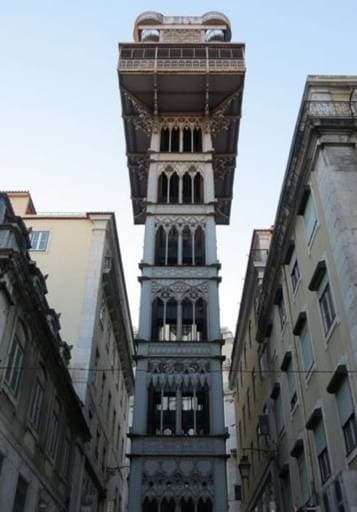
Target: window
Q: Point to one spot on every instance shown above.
(321, 450)
(291, 384)
(278, 408)
(347, 414)
(14, 370)
(54, 429)
(286, 491)
(310, 220)
(39, 240)
(303, 476)
(66, 460)
(20, 495)
(37, 399)
(169, 239)
(326, 307)
(295, 275)
(279, 301)
(301, 329)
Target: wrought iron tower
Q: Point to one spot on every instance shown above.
(181, 85)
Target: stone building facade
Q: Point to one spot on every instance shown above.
(181, 85)
(302, 421)
(81, 255)
(43, 431)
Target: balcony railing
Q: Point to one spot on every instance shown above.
(329, 108)
(163, 58)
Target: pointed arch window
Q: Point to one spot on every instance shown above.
(197, 140)
(187, 320)
(175, 139)
(187, 246)
(174, 188)
(201, 320)
(200, 250)
(162, 188)
(187, 142)
(172, 247)
(160, 247)
(198, 188)
(164, 139)
(187, 188)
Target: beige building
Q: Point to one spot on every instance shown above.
(80, 253)
(42, 428)
(297, 419)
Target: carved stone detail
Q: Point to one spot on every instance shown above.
(180, 373)
(182, 350)
(144, 120)
(181, 168)
(180, 222)
(177, 480)
(139, 165)
(185, 272)
(179, 289)
(223, 165)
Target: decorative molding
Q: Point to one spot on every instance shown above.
(145, 120)
(180, 168)
(223, 165)
(219, 120)
(177, 480)
(178, 373)
(173, 349)
(139, 165)
(179, 290)
(184, 273)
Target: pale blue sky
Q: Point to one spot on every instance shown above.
(61, 134)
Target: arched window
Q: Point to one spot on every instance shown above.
(187, 320)
(200, 252)
(174, 188)
(200, 320)
(172, 246)
(198, 188)
(162, 188)
(187, 142)
(164, 139)
(157, 319)
(175, 139)
(187, 188)
(187, 246)
(204, 506)
(170, 321)
(168, 505)
(160, 246)
(150, 506)
(187, 506)
(197, 140)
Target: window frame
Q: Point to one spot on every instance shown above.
(41, 240)
(15, 366)
(325, 296)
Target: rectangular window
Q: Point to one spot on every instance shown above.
(327, 308)
(36, 404)
(39, 240)
(54, 430)
(306, 347)
(21, 495)
(321, 451)
(286, 492)
(291, 385)
(295, 275)
(310, 220)
(14, 368)
(303, 477)
(347, 415)
(278, 413)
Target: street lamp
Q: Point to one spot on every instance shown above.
(244, 467)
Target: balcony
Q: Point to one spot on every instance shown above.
(200, 58)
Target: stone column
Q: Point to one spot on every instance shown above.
(141, 397)
(220, 498)
(149, 241)
(178, 411)
(213, 311)
(145, 311)
(135, 484)
(211, 242)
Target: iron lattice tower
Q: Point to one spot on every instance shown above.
(181, 85)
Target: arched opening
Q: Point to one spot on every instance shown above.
(174, 188)
(150, 506)
(187, 188)
(186, 246)
(175, 139)
(157, 319)
(201, 320)
(187, 506)
(197, 140)
(202, 411)
(170, 321)
(168, 505)
(164, 139)
(187, 319)
(198, 188)
(200, 250)
(187, 139)
(162, 188)
(160, 246)
(204, 506)
(172, 246)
